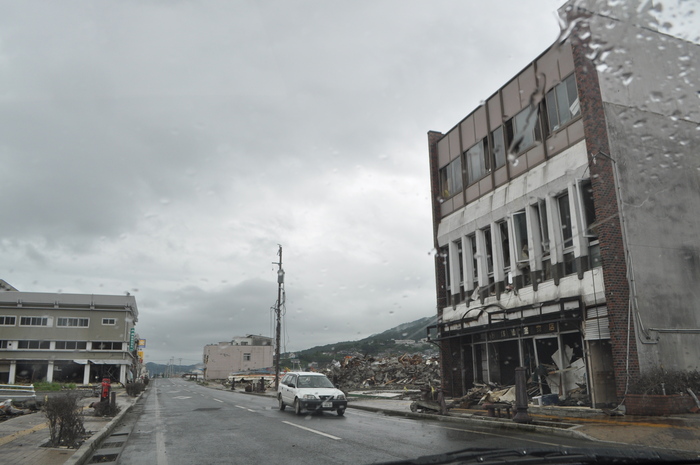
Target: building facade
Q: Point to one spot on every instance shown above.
(68, 338)
(565, 214)
(241, 354)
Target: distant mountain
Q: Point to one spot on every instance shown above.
(375, 345)
(158, 369)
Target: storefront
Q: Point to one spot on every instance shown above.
(489, 343)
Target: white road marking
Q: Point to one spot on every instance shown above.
(218, 400)
(499, 435)
(245, 408)
(312, 430)
(182, 397)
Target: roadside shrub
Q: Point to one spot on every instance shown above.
(134, 389)
(659, 381)
(65, 420)
(105, 409)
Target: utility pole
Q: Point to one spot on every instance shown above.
(278, 315)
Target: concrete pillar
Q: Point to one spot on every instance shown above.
(122, 374)
(13, 372)
(49, 372)
(86, 374)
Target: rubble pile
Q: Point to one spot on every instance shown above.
(405, 371)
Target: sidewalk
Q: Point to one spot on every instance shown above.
(680, 432)
(22, 437)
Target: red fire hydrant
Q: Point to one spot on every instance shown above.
(106, 387)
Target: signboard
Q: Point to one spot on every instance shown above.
(142, 343)
(131, 339)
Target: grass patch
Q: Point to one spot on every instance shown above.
(44, 386)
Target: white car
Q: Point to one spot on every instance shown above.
(310, 391)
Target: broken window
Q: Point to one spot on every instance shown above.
(505, 246)
(522, 245)
(246, 357)
(488, 244)
(523, 130)
(477, 161)
(451, 178)
(562, 103)
(499, 147)
(566, 234)
(540, 211)
(474, 261)
(589, 217)
(460, 258)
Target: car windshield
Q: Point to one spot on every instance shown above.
(314, 382)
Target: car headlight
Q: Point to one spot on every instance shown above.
(308, 396)
(340, 397)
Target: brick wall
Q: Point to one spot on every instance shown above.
(440, 279)
(612, 249)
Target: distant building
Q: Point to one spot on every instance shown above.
(565, 213)
(241, 354)
(69, 338)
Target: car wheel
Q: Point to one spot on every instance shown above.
(282, 406)
(341, 412)
(297, 407)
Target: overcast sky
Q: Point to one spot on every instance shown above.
(165, 148)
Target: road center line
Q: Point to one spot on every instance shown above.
(312, 430)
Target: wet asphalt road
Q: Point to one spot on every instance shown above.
(179, 422)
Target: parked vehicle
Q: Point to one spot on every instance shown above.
(312, 392)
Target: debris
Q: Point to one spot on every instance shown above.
(405, 371)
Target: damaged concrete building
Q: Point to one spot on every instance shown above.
(565, 213)
(67, 338)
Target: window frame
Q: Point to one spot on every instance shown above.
(105, 321)
(78, 320)
(516, 143)
(480, 152)
(41, 344)
(44, 321)
(556, 108)
(95, 345)
(3, 319)
(79, 345)
(451, 182)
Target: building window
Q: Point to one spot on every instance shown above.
(107, 346)
(33, 321)
(477, 161)
(523, 130)
(588, 215)
(474, 260)
(451, 179)
(3, 344)
(522, 245)
(499, 147)
(109, 321)
(541, 213)
(505, 247)
(33, 344)
(562, 104)
(7, 320)
(488, 243)
(566, 234)
(460, 258)
(246, 357)
(73, 322)
(71, 345)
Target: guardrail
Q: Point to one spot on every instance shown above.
(17, 392)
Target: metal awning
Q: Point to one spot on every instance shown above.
(110, 362)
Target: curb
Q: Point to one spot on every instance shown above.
(90, 446)
(482, 424)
